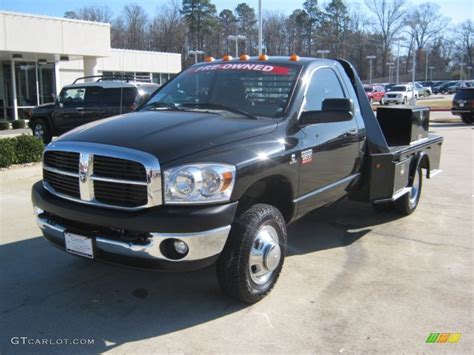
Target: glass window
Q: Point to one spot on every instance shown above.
(93, 96)
(129, 95)
(26, 84)
(156, 78)
(111, 97)
(72, 97)
(323, 85)
(46, 83)
(259, 89)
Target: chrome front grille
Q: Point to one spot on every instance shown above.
(103, 175)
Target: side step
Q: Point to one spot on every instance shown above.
(395, 196)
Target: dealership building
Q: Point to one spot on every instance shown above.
(41, 54)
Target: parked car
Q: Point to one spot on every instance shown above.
(375, 93)
(463, 104)
(460, 84)
(388, 87)
(399, 94)
(443, 88)
(422, 90)
(80, 103)
(205, 174)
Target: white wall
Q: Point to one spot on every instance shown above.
(43, 34)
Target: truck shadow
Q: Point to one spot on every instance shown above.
(48, 294)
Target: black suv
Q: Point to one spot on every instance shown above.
(80, 103)
(463, 104)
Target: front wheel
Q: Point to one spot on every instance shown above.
(404, 102)
(467, 118)
(41, 131)
(408, 203)
(253, 256)
(382, 101)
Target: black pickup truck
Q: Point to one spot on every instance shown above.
(218, 161)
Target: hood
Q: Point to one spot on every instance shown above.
(169, 135)
(48, 106)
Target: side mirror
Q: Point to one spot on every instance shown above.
(333, 110)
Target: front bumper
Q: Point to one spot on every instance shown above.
(139, 238)
(460, 111)
(393, 100)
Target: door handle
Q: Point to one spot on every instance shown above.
(79, 108)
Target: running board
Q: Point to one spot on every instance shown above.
(395, 196)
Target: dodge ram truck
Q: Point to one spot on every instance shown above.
(214, 166)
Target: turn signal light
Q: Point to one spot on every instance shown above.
(227, 57)
(244, 57)
(263, 57)
(294, 57)
(209, 59)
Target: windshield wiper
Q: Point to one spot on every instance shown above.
(212, 106)
(155, 105)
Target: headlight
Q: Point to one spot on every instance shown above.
(199, 183)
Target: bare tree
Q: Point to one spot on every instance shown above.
(168, 30)
(91, 13)
(390, 15)
(275, 33)
(135, 21)
(464, 41)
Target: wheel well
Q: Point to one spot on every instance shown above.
(425, 164)
(272, 190)
(40, 118)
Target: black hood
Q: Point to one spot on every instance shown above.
(169, 135)
(42, 107)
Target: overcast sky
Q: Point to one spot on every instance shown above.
(457, 10)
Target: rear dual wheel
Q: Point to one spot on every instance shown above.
(408, 203)
(467, 118)
(252, 259)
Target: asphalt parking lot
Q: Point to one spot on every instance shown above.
(354, 281)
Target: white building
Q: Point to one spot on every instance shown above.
(41, 54)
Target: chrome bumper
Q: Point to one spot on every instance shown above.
(202, 245)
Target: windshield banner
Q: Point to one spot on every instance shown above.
(265, 68)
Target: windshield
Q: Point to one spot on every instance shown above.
(399, 88)
(253, 88)
(368, 89)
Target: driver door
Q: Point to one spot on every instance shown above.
(69, 113)
(330, 150)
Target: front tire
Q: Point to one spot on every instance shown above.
(252, 259)
(41, 131)
(467, 118)
(404, 102)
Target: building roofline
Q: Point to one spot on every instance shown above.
(140, 51)
(56, 18)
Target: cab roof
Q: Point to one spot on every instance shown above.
(112, 84)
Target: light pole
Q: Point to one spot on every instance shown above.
(390, 66)
(236, 39)
(426, 66)
(322, 52)
(413, 98)
(260, 29)
(431, 73)
(195, 53)
(461, 65)
(370, 58)
(398, 39)
(469, 71)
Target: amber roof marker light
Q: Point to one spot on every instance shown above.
(294, 57)
(263, 57)
(227, 57)
(209, 59)
(244, 57)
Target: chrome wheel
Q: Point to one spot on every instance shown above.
(265, 255)
(39, 131)
(415, 189)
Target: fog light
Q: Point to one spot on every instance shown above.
(180, 247)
